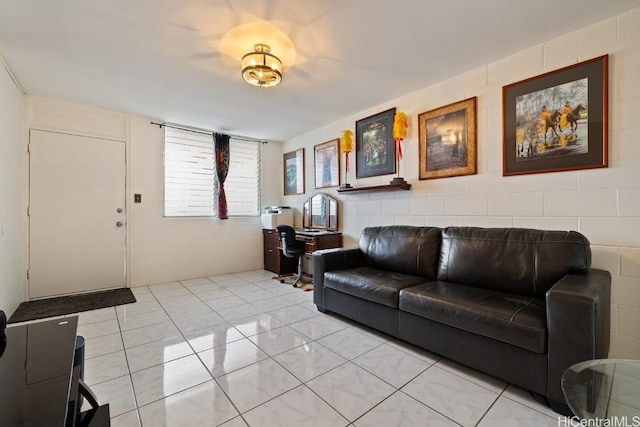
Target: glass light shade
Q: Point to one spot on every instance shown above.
(260, 68)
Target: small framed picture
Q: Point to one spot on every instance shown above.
(293, 164)
(327, 164)
(557, 121)
(447, 145)
(375, 147)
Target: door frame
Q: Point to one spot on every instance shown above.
(127, 202)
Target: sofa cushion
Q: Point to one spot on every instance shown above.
(371, 284)
(403, 249)
(514, 319)
(513, 260)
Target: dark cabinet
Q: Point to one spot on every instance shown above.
(274, 260)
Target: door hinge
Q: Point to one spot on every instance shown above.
(29, 148)
(28, 210)
(28, 277)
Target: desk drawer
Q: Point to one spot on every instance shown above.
(275, 261)
(271, 259)
(270, 237)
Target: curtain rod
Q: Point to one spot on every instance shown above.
(208, 132)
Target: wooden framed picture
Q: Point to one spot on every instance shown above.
(293, 163)
(375, 147)
(557, 121)
(327, 164)
(447, 145)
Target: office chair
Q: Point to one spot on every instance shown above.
(291, 248)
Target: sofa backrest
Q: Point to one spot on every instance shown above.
(516, 260)
(403, 249)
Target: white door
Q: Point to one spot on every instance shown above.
(76, 214)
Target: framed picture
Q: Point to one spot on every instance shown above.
(557, 121)
(293, 163)
(375, 147)
(327, 164)
(447, 145)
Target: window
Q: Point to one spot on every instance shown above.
(189, 169)
(190, 181)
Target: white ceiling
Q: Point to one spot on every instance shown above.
(179, 60)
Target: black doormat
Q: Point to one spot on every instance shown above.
(59, 306)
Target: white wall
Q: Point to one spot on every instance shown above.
(603, 204)
(12, 215)
(161, 249)
(166, 249)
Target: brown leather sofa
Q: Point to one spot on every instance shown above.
(522, 305)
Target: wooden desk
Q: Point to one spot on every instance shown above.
(275, 261)
(321, 239)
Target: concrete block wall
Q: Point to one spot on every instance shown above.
(168, 249)
(159, 249)
(603, 204)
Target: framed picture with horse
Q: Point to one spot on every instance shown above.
(557, 121)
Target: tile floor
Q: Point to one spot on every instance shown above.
(243, 349)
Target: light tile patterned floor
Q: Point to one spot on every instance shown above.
(243, 349)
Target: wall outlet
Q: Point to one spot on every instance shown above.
(137, 198)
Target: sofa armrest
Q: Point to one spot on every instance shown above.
(329, 260)
(578, 322)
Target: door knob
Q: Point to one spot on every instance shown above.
(119, 224)
(119, 210)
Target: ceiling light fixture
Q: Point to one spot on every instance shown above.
(261, 68)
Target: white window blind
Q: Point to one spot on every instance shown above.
(188, 173)
(190, 181)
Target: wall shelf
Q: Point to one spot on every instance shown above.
(397, 184)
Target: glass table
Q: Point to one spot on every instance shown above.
(603, 389)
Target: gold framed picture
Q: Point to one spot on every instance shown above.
(447, 144)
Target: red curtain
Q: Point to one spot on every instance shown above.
(221, 147)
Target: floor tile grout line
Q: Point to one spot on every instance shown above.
(164, 397)
(381, 379)
(302, 383)
(502, 395)
(205, 367)
(487, 410)
(126, 358)
(395, 390)
(433, 409)
(182, 357)
(467, 379)
(240, 413)
(272, 357)
(305, 383)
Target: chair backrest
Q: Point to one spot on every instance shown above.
(287, 237)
